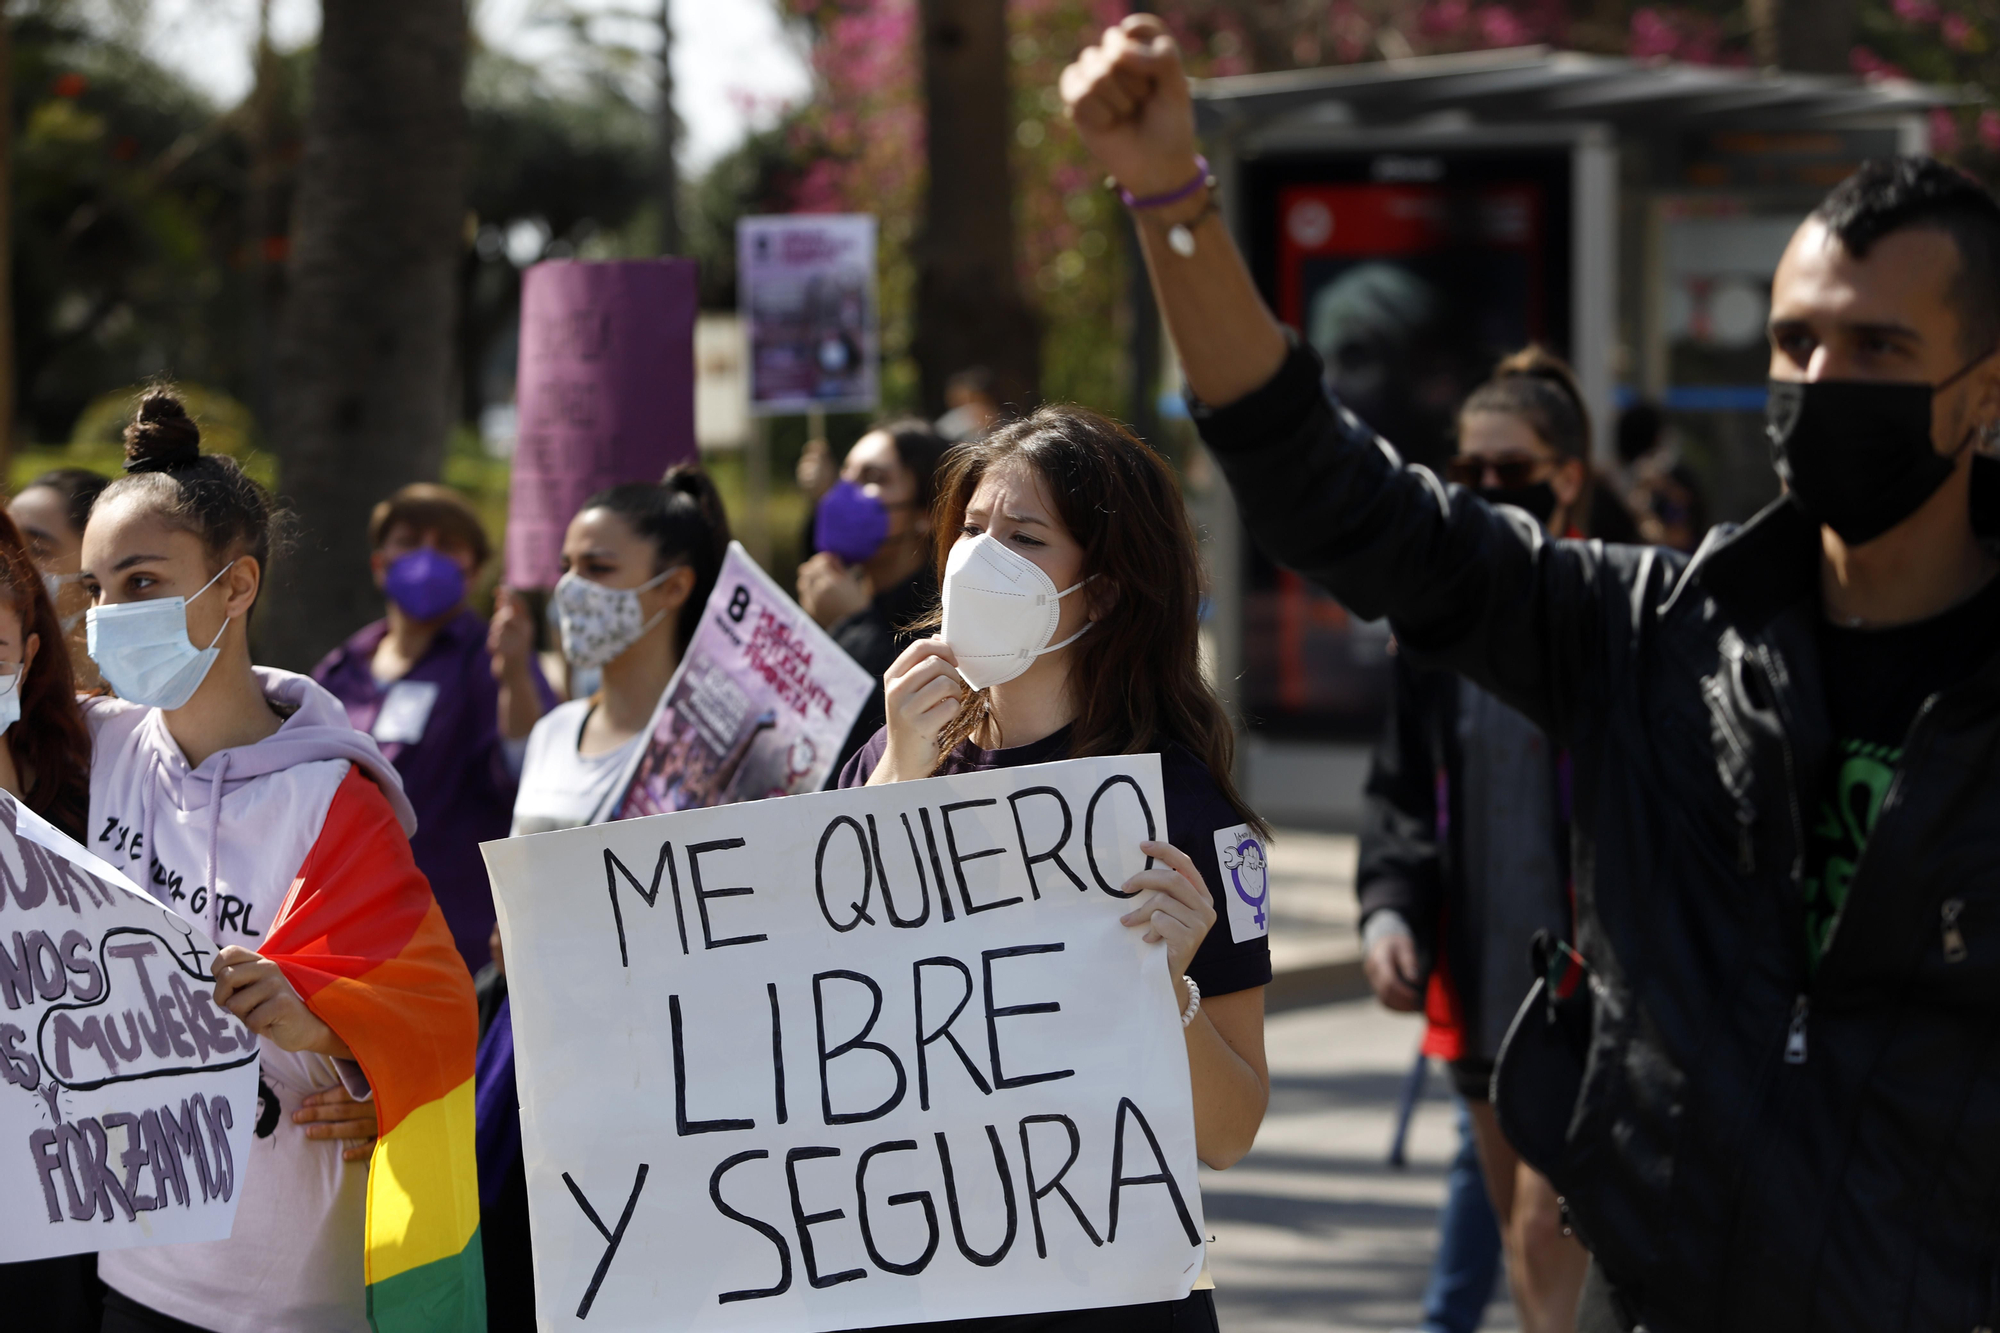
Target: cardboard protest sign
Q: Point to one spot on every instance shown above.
(758, 707)
(127, 1096)
(806, 284)
(855, 1058)
(605, 393)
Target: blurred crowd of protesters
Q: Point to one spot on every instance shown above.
(448, 733)
(1654, 775)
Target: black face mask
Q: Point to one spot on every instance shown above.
(1856, 455)
(1538, 498)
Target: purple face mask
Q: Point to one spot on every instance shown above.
(426, 583)
(850, 523)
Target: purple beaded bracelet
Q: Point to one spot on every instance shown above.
(1201, 178)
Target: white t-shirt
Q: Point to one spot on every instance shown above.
(293, 1261)
(559, 787)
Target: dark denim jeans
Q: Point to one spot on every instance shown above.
(1468, 1254)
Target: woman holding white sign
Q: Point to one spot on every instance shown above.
(45, 765)
(242, 797)
(1104, 660)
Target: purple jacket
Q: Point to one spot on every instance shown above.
(456, 773)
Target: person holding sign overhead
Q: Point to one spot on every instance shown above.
(243, 797)
(1102, 659)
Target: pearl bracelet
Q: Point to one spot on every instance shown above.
(1194, 1001)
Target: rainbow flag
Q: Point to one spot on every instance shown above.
(363, 942)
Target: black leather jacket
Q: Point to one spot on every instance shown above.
(1406, 867)
(1755, 1146)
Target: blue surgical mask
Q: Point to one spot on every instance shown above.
(10, 699)
(144, 652)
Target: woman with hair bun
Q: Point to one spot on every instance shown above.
(1070, 504)
(1524, 439)
(241, 796)
(639, 561)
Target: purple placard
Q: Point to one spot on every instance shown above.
(605, 394)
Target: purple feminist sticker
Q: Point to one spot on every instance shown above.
(1249, 875)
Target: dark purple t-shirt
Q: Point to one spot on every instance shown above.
(1196, 812)
(455, 771)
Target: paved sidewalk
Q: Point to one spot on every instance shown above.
(1313, 1231)
(1315, 948)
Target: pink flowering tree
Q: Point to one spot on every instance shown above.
(860, 143)
(1949, 42)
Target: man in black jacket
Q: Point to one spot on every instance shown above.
(1787, 802)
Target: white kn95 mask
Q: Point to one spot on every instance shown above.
(1000, 611)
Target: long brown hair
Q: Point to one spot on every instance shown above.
(50, 745)
(1137, 675)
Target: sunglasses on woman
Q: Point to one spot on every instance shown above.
(1509, 473)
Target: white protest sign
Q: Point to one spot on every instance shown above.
(852, 1058)
(127, 1097)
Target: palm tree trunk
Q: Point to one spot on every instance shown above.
(970, 311)
(363, 399)
(1814, 36)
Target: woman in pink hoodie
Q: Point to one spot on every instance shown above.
(211, 783)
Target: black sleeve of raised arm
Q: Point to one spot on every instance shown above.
(1401, 867)
(1479, 589)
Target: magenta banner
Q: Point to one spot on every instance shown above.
(605, 394)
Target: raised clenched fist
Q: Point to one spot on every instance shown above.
(1128, 97)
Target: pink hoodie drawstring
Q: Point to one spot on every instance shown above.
(214, 840)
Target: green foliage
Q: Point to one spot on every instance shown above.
(759, 176)
(582, 159)
(128, 215)
(97, 441)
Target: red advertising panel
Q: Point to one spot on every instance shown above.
(1411, 275)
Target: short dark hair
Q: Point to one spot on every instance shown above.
(78, 486)
(1892, 194)
(1639, 429)
(426, 507)
(918, 448)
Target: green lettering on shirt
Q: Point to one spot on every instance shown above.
(1847, 815)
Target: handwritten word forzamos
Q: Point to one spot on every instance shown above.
(154, 1148)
